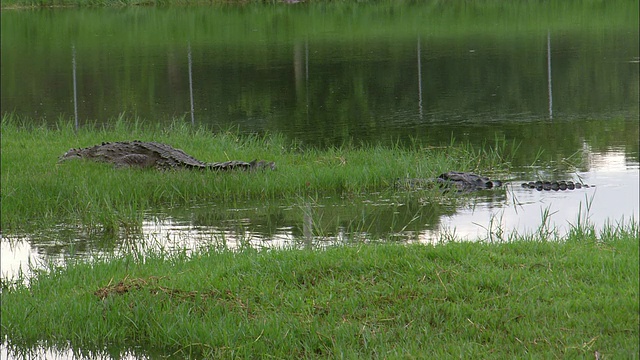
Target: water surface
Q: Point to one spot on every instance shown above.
(559, 80)
(562, 86)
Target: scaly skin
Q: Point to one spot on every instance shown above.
(553, 185)
(155, 155)
(464, 181)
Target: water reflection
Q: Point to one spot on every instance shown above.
(297, 72)
(315, 223)
(52, 353)
(317, 91)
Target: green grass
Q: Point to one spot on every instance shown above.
(526, 299)
(37, 191)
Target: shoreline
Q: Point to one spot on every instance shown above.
(532, 297)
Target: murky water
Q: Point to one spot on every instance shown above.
(566, 89)
(402, 217)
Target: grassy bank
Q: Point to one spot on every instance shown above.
(526, 299)
(36, 190)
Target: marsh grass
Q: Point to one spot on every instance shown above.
(529, 298)
(37, 190)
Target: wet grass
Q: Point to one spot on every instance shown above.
(37, 191)
(530, 298)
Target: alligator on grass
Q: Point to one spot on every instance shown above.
(145, 154)
(465, 181)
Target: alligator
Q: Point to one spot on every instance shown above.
(554, 185)
(145, 154)
(465, 181)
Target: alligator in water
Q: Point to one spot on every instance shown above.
(155, 155)
(465, 181)
(554, 185)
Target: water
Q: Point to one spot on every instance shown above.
(386, 216)
(563, 83)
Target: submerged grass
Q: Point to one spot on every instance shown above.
(526, 299)
(37, 191)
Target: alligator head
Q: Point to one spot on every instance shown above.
(71, 155)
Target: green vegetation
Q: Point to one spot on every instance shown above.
(326, 19)
(485, 8)
(36, 190)
(523, 296)
(531, 298)
(361, 61)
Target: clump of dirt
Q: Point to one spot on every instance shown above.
(151, 285)
(124, 286)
